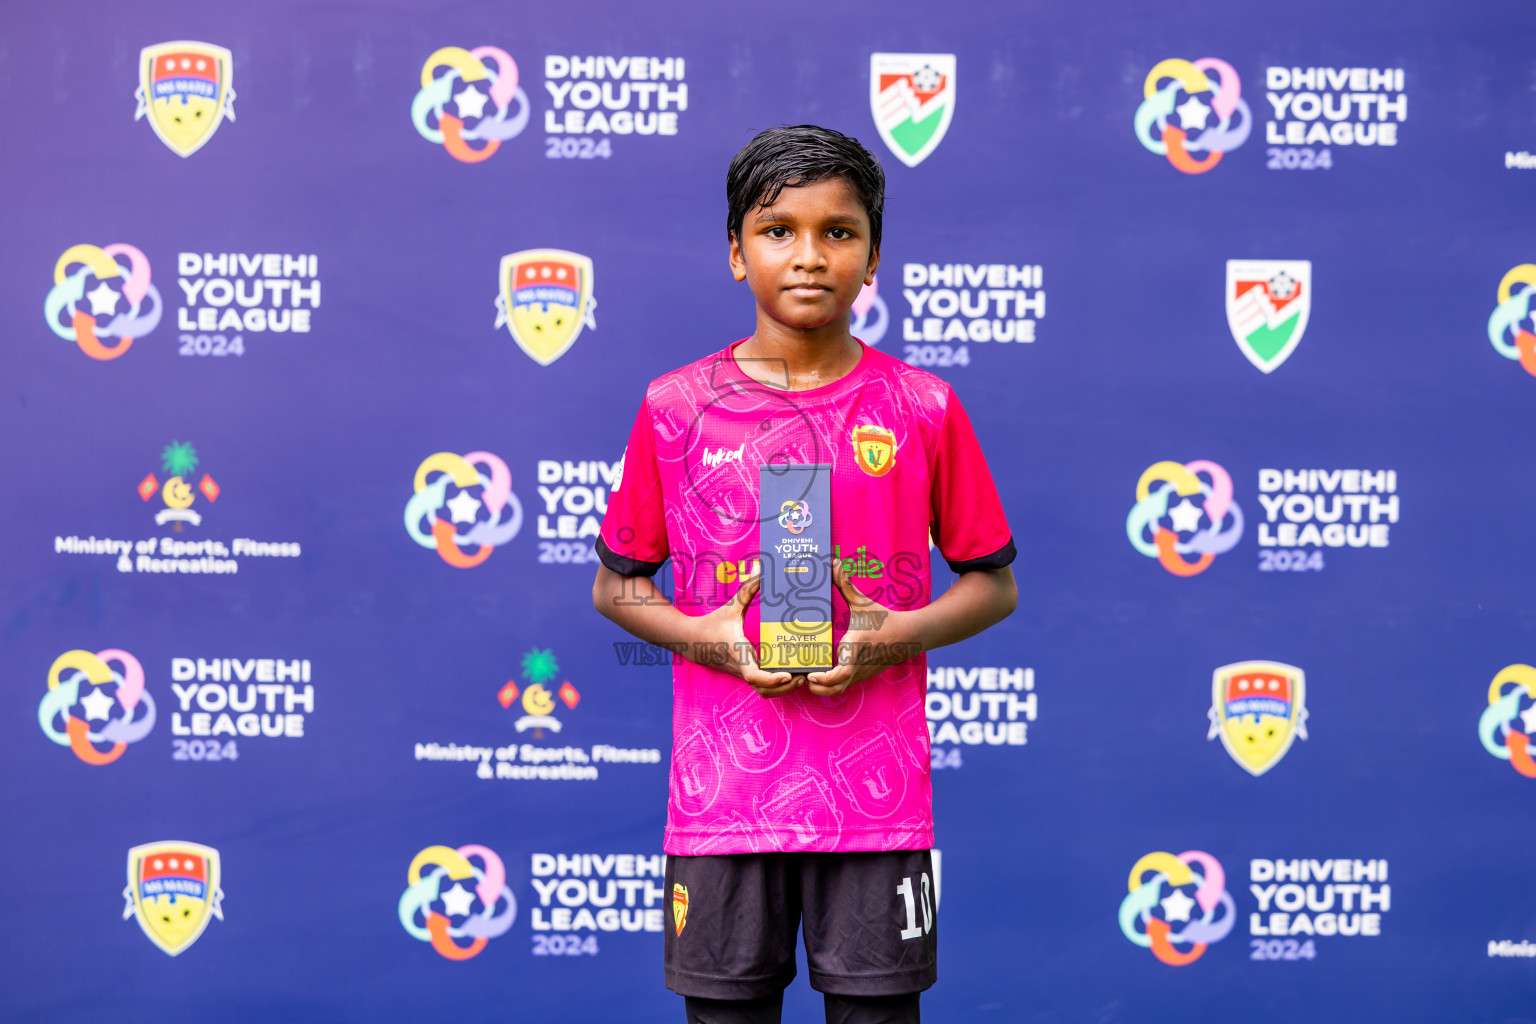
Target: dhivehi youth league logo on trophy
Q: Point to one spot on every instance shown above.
(546, 299)
(1258, 708)
(184, 88)
(912, 96)
(1268, 303)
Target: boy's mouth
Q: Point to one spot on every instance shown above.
(808, 290)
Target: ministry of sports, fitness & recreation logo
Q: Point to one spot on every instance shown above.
(1197, 900)
(479, 85)
(82, 683)
(173, 890)
(545, 300)
(179, 459)
(1212, 116)
(912, 96)
(124, 304)
(1515, 685)
(185, 91)
(1511, 324)
(502, 513)
(1268, 304)
(539, 669)
(449, 898)
(1258, 708)
(1204, 530)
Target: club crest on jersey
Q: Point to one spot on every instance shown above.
(679, 905)
(876, 449)
(1268, 303)
(1258, 708)
(185, 91)
(912, 96)
(868, 769)
(754, 731)
(173, 890)
(546, 299)
(698, 773)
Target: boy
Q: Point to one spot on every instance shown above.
(807, 794)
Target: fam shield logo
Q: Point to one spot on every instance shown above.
(546, 299)
(114, 697)
(173, 890)
(1514, 686)
(912, 96)
(179, 459)
(1194, 881)
(1204, 530)
(492, 519)
(468, 81)
(185, 90)
(1258, 708)
(1511, 325)
(1213, 118)
(437, 908)
(1268, 303)
(540, 669)
(124, 304)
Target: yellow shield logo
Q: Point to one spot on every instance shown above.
(173, 889)
(185, 90)
(545, 301)
(1258, 708)
(876, 449)
(679, 905)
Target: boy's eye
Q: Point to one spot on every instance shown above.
(840, 233)
(778, 231)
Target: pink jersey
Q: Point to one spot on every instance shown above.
(801, 772)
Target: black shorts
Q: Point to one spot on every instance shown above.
(869, 923)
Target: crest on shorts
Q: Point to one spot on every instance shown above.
(1268, 302)
(679, 905)
(184, 90)
(1258, 708)
(546, 299)
(876, 449)
(912, 96)
(173, 889)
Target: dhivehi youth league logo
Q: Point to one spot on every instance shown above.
(173, 890)
(1268, 303)
(1258, 708)
(484, 502)
(1205, 530)
(546, 299)
(124, 305)
(912, 96)
(463, 80)
(1212, 116)
(1511, 323)
(1197, 902)
(184, 89)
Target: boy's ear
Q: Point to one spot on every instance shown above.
(874, 263)
(738, 261)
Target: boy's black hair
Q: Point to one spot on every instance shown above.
(790, 156)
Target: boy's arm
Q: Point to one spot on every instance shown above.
(636, 605)
(879, 637)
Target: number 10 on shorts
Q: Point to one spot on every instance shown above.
(904, 890)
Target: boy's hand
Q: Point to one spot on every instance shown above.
(722, 643)
(876, 639)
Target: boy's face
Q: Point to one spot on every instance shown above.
(806, 256)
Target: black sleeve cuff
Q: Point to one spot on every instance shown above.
(996, 560)
(634, 567)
